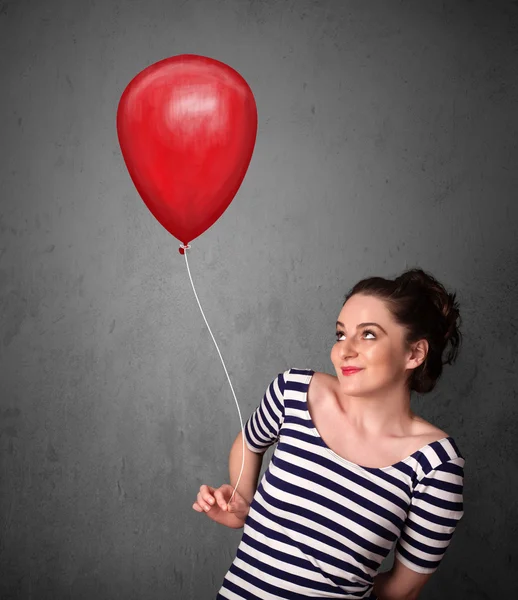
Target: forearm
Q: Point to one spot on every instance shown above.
(386, 589)
(251, 469)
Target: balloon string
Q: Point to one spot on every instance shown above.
(185, 248)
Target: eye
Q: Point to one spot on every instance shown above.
(339, 334)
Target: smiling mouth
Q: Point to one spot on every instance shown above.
(350, 371)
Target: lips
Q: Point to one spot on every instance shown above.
(350, 370)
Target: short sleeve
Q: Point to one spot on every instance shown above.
(263, 427)
(435, 510)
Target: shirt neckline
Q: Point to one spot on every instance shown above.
(316, 433)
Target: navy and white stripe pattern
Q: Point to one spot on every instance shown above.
(319, 525)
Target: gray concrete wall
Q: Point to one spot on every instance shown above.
(387, 139)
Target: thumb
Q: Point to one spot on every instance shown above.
(234, 506)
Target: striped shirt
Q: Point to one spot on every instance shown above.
(319, 526)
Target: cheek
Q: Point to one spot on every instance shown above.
(378, 354)
(383, 357)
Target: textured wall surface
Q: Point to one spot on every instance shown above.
(387, 139)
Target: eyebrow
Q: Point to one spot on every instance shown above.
(363, 325)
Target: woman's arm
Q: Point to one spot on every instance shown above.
(251, 469)
(400, 583)
(385, 589)
(214, 502)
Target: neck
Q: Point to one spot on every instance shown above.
(381, 413)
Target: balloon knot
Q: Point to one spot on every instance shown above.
(183, 248)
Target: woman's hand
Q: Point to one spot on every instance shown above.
(214, 502)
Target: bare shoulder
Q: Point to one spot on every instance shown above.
(322, 383)
(322, 387)
(427, 431)
(324, 379)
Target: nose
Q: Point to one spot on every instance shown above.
(346, 349)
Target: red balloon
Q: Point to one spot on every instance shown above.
(187, 127)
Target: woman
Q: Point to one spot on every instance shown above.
(355, 471)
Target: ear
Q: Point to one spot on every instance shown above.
(417, 354)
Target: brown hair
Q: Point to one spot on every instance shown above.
(418, 302)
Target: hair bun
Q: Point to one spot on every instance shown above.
(451, 313)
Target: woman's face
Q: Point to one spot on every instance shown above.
(378, 350)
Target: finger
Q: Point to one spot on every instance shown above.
(218, 494)
(209, 499)
(197, 507)
(201, 501)
(206, 492)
